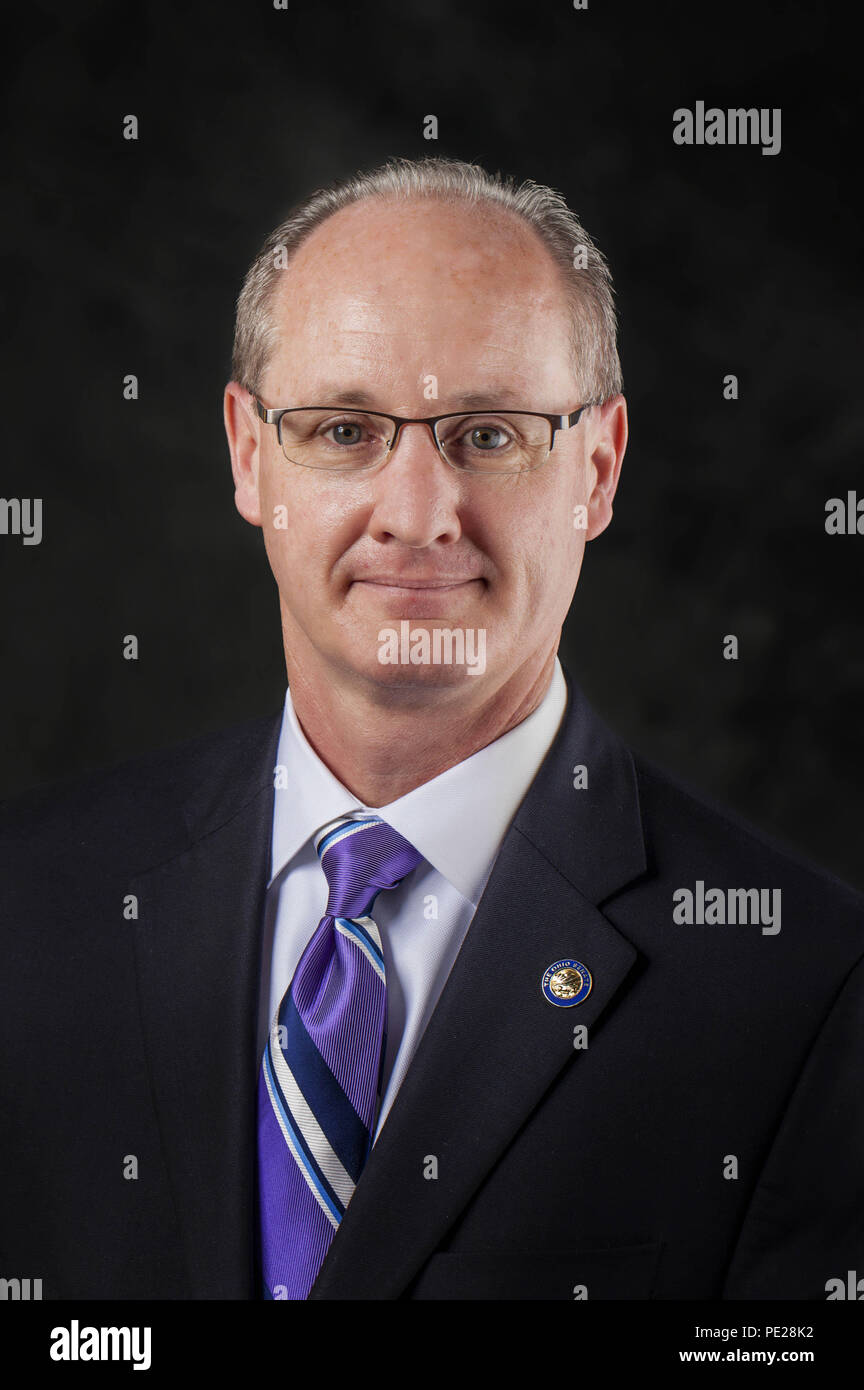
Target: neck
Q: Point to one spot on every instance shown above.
(381, 743)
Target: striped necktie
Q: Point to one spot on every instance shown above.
(319, 1080)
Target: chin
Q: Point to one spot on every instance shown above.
(421, 679)
(404, 655)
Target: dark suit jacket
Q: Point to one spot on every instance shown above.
(558, 1168)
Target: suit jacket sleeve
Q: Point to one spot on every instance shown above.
(805, 1222)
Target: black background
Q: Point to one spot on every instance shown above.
(126, 257)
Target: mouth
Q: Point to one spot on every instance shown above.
(424, 585)
(421, 597)
(393, 584)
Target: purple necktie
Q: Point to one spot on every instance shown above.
(320, 1074)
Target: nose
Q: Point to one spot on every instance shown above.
(417, 493)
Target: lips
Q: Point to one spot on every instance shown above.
(427, 596)
(394, 581)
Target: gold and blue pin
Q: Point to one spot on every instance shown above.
(566, 983)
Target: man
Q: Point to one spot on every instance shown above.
(425, 987)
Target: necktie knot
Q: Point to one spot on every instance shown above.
(361, 856)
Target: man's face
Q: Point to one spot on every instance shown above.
(380, 299)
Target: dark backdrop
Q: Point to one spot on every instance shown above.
(125, 257)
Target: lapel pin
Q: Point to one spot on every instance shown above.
(566, 983)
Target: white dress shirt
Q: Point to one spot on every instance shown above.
(457, 822)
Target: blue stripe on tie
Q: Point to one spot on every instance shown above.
(351, 827)
(345, 1131)
(357, 930)
(309, 1163)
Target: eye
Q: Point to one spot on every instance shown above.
(345, 432)
(486, 437)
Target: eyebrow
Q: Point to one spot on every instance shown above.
(471, 400)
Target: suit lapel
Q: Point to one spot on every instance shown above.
(197, 948)
(494, 1044)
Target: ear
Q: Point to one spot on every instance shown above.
(242, 427)
(608, 440)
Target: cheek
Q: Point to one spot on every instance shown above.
(305, 520)
(551, 535)
(312, 531)
(300, 553)
(553, 565)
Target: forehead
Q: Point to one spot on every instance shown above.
(420, 288)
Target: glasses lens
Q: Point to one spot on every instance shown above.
(500, 442)
(336, 439)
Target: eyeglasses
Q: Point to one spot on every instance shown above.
(348, 441)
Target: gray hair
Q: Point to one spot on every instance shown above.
(583, 268)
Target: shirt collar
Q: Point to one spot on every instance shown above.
(456, 820)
